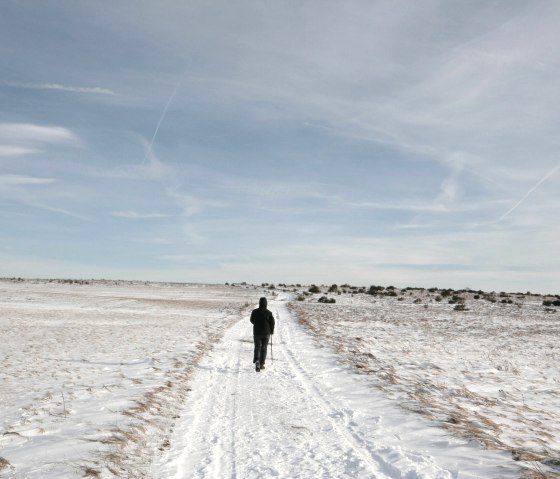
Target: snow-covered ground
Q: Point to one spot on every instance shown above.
(92, 376)
(490, 372)
(155, 380)
(306, 416)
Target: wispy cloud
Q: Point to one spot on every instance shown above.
(419, 207)
(202, 258)
(21, 135)
(59, 87)
(9, 150)
(133, 215)
(20, 180)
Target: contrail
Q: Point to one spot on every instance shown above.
(541, 181)
(161, 118)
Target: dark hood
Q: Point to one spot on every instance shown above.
(263, 303)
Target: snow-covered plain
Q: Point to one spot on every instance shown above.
(155, 380)
(92, 376)
(490, 372)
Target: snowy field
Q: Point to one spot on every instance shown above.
(152, 380)
(92, 376)
(307, 416)
(488, 370)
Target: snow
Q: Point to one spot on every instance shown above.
(92, 375)
(155, 380)
(489, 373)
(305, 416)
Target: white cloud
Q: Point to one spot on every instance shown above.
(67, 88)
(8, 150)
(20, 180)
(133, 215)
(21, 135)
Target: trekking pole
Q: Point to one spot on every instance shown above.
(271, 354)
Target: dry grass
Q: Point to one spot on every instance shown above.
(91, 472)
(4, 464)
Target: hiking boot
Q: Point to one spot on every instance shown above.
(262, 366)
(257, 366)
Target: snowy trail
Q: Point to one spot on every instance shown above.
(305, 416)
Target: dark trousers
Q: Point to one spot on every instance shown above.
(261, 346)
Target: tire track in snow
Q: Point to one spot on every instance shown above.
(338, 417)
(335, 415)
(393, 462)
(207, 429)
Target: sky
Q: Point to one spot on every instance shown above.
(363, 142)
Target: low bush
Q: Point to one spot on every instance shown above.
(455, 299)
(373, 290)
(460, 307)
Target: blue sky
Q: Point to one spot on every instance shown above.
(368, 142)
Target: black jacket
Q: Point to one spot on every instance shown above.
(262, 320)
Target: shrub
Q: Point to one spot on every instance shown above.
(314, 289)
(301, 297)
(460, 307)
(324, 299)
(333, 288)
(373, 290)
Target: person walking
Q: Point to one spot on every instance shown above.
(263, 327)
